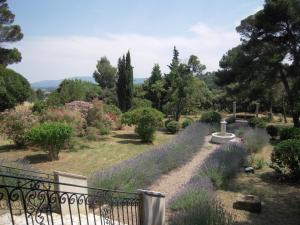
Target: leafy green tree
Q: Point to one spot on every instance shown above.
(196, 67)
(14, 88)
(125, 83)
(268, 55)
(105, 74)
(8, 33)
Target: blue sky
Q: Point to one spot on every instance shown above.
(65, 38)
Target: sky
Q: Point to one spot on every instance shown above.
(65, 38)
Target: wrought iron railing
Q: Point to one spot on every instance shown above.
(31, 201)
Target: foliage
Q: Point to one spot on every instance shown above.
(257, 122)
(173, 127)
(257, 68)
(272, 130)
(92, 134)
(80, 106)
(17, 123)
(125, 83)
(51, 136)
(146, 121)
(216, 166)
(77, 90)
(8, 33)
(14, 88)
(255, 139)
(71, 117)
(289, 133)
(211, 117)
(286, 158)
(105, 74)
(39, 106)
(141, 171)
(140, 103)
(186, 122)
(230, 120)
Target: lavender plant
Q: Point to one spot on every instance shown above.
(255, 139)
(141, 171)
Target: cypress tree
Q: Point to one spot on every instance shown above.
(125, 83)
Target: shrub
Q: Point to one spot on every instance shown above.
(16, 124)
(255, 139)
(230, 119)
(272, 131)
(289, 133)
(141, 171)
(286, 158)
(211, 117)
(216, 166)
(81, 106)
(173, 127)
(187, 122)
(39, 106)
(257, 122)
(92, 134)
(14, 88)
(51, 136)
(72, 118)
(146, 121)
(141, 103)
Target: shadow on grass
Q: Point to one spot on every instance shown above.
(127, 136)
(38, 158)
(10, 147)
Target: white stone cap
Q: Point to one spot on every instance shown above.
(71, 175)
(151, 193)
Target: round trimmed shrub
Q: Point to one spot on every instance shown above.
(187, 122)
(272, 131)
(146, 121)
(286, 158)
(211, 117)
(51, 136)
(289, 133)
(173, 127)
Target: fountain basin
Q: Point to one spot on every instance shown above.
(222, 138)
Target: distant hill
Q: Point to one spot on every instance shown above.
(52, 84)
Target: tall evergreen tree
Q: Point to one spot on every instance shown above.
(125, 83)
(8, 33)
(154, 87)
(105, 74)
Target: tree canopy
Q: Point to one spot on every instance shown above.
(105, 74)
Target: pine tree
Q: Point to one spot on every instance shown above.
(125, 83)
(8, 33)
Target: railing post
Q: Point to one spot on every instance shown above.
(152, 210)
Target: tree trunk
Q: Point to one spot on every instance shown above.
(53, 155)
(296, 119)
(284, 111)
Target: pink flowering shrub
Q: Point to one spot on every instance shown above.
(80, 106)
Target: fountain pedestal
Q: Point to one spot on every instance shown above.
(222, 137)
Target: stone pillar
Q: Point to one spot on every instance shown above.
(234, 109)
(256, 109)
(223, 127)
(153, 208)
(72, 179)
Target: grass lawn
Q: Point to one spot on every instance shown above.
(86, 156)
(281, 201)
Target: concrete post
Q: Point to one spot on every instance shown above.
(256, 109)
(153, 208)
(223, 127)
(234, 109)
(68, 178)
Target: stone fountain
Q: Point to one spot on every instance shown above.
(222, 137)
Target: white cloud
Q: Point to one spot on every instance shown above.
(60, 57)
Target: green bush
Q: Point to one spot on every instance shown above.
(272, 131)
(211, 117)
(230, 120)
(173, 127)
(186, 122)
(141, 103)
(255, 139)
(39, 106)
(257, 122)
(289, 133)
(146, 121)
(51, 136)
(14, 88)
(286, 158)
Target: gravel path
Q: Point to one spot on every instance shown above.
(173, 182)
